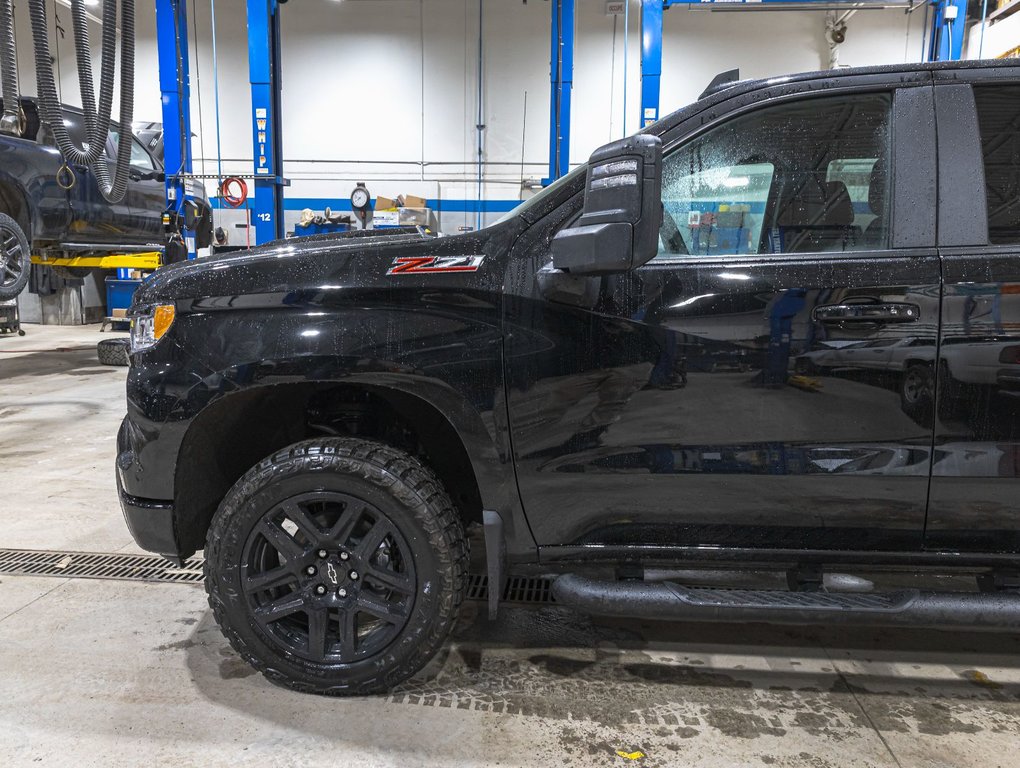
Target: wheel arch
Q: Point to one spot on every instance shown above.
(237, 430)
(14, 202)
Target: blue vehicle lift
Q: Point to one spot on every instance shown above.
(946, 38)
(561, 76)
(175, 89)
(651, 58)
(264, 74)
(947, 27)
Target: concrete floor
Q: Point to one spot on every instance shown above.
(117, 673)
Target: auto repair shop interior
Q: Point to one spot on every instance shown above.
(510, 382)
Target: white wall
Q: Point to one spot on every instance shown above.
(353, 81)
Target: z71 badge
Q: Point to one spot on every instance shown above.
(408, 265)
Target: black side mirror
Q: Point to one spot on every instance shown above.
(148, 176)
(619, 228)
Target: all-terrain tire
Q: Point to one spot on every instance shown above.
(15, 258)
(113, 351)
(403, 490)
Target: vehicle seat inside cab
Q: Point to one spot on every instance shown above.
(874, 233)
(816, 216)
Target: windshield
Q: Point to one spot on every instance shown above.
(537, 198)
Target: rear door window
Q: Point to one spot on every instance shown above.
(998, 109)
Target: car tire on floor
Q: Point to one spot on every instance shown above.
(113, 351)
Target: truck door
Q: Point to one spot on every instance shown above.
(144, 200)
(93, 219)
(975, 486)
(661, 407)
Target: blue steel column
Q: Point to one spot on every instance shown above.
(947, 33)
(175, 89)
(264, 74)
(651, 59)
(561, 65)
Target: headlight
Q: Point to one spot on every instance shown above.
(150, 325)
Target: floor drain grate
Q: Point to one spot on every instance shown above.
(102, 565)
(98, 565)
(519, 589)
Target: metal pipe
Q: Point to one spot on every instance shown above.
(626, 33)
(479, 125)
(984, 17)
(216, 90)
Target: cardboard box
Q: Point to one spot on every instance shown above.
(385, 203)
(410, 201)
(119, 312)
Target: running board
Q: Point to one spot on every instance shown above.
(907, 608)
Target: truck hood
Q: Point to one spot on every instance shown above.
(280, 266)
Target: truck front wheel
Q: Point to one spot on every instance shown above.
(336, 566)
(15, 258)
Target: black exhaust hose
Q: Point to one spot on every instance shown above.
(97, 122)
(11, 120)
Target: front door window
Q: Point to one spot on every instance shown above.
(810, 176)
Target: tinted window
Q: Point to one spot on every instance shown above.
(810, 176)
(998, 108)
(139, 157)
(75, 130)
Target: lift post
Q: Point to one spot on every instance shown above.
(175, 89)
(651, 59)
(947, 28)
(264, 74)
(561, 71)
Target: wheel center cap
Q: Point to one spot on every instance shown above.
(332, 574)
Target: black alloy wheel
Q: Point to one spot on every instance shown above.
(328, 577)
(14, 258)
(337, 566)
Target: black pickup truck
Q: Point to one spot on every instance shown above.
(39, 215)
(604, 386)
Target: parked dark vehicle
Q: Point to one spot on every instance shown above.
(38, 215)
(329, 417)
(150, 135)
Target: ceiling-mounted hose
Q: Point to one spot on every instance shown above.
(11, 121)
(97, 122)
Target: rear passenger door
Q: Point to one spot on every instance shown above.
(976, 473)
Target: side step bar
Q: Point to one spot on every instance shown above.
(905, 608)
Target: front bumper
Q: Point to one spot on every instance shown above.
(150, 521)
(151, 524)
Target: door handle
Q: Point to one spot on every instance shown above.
(866, 313)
